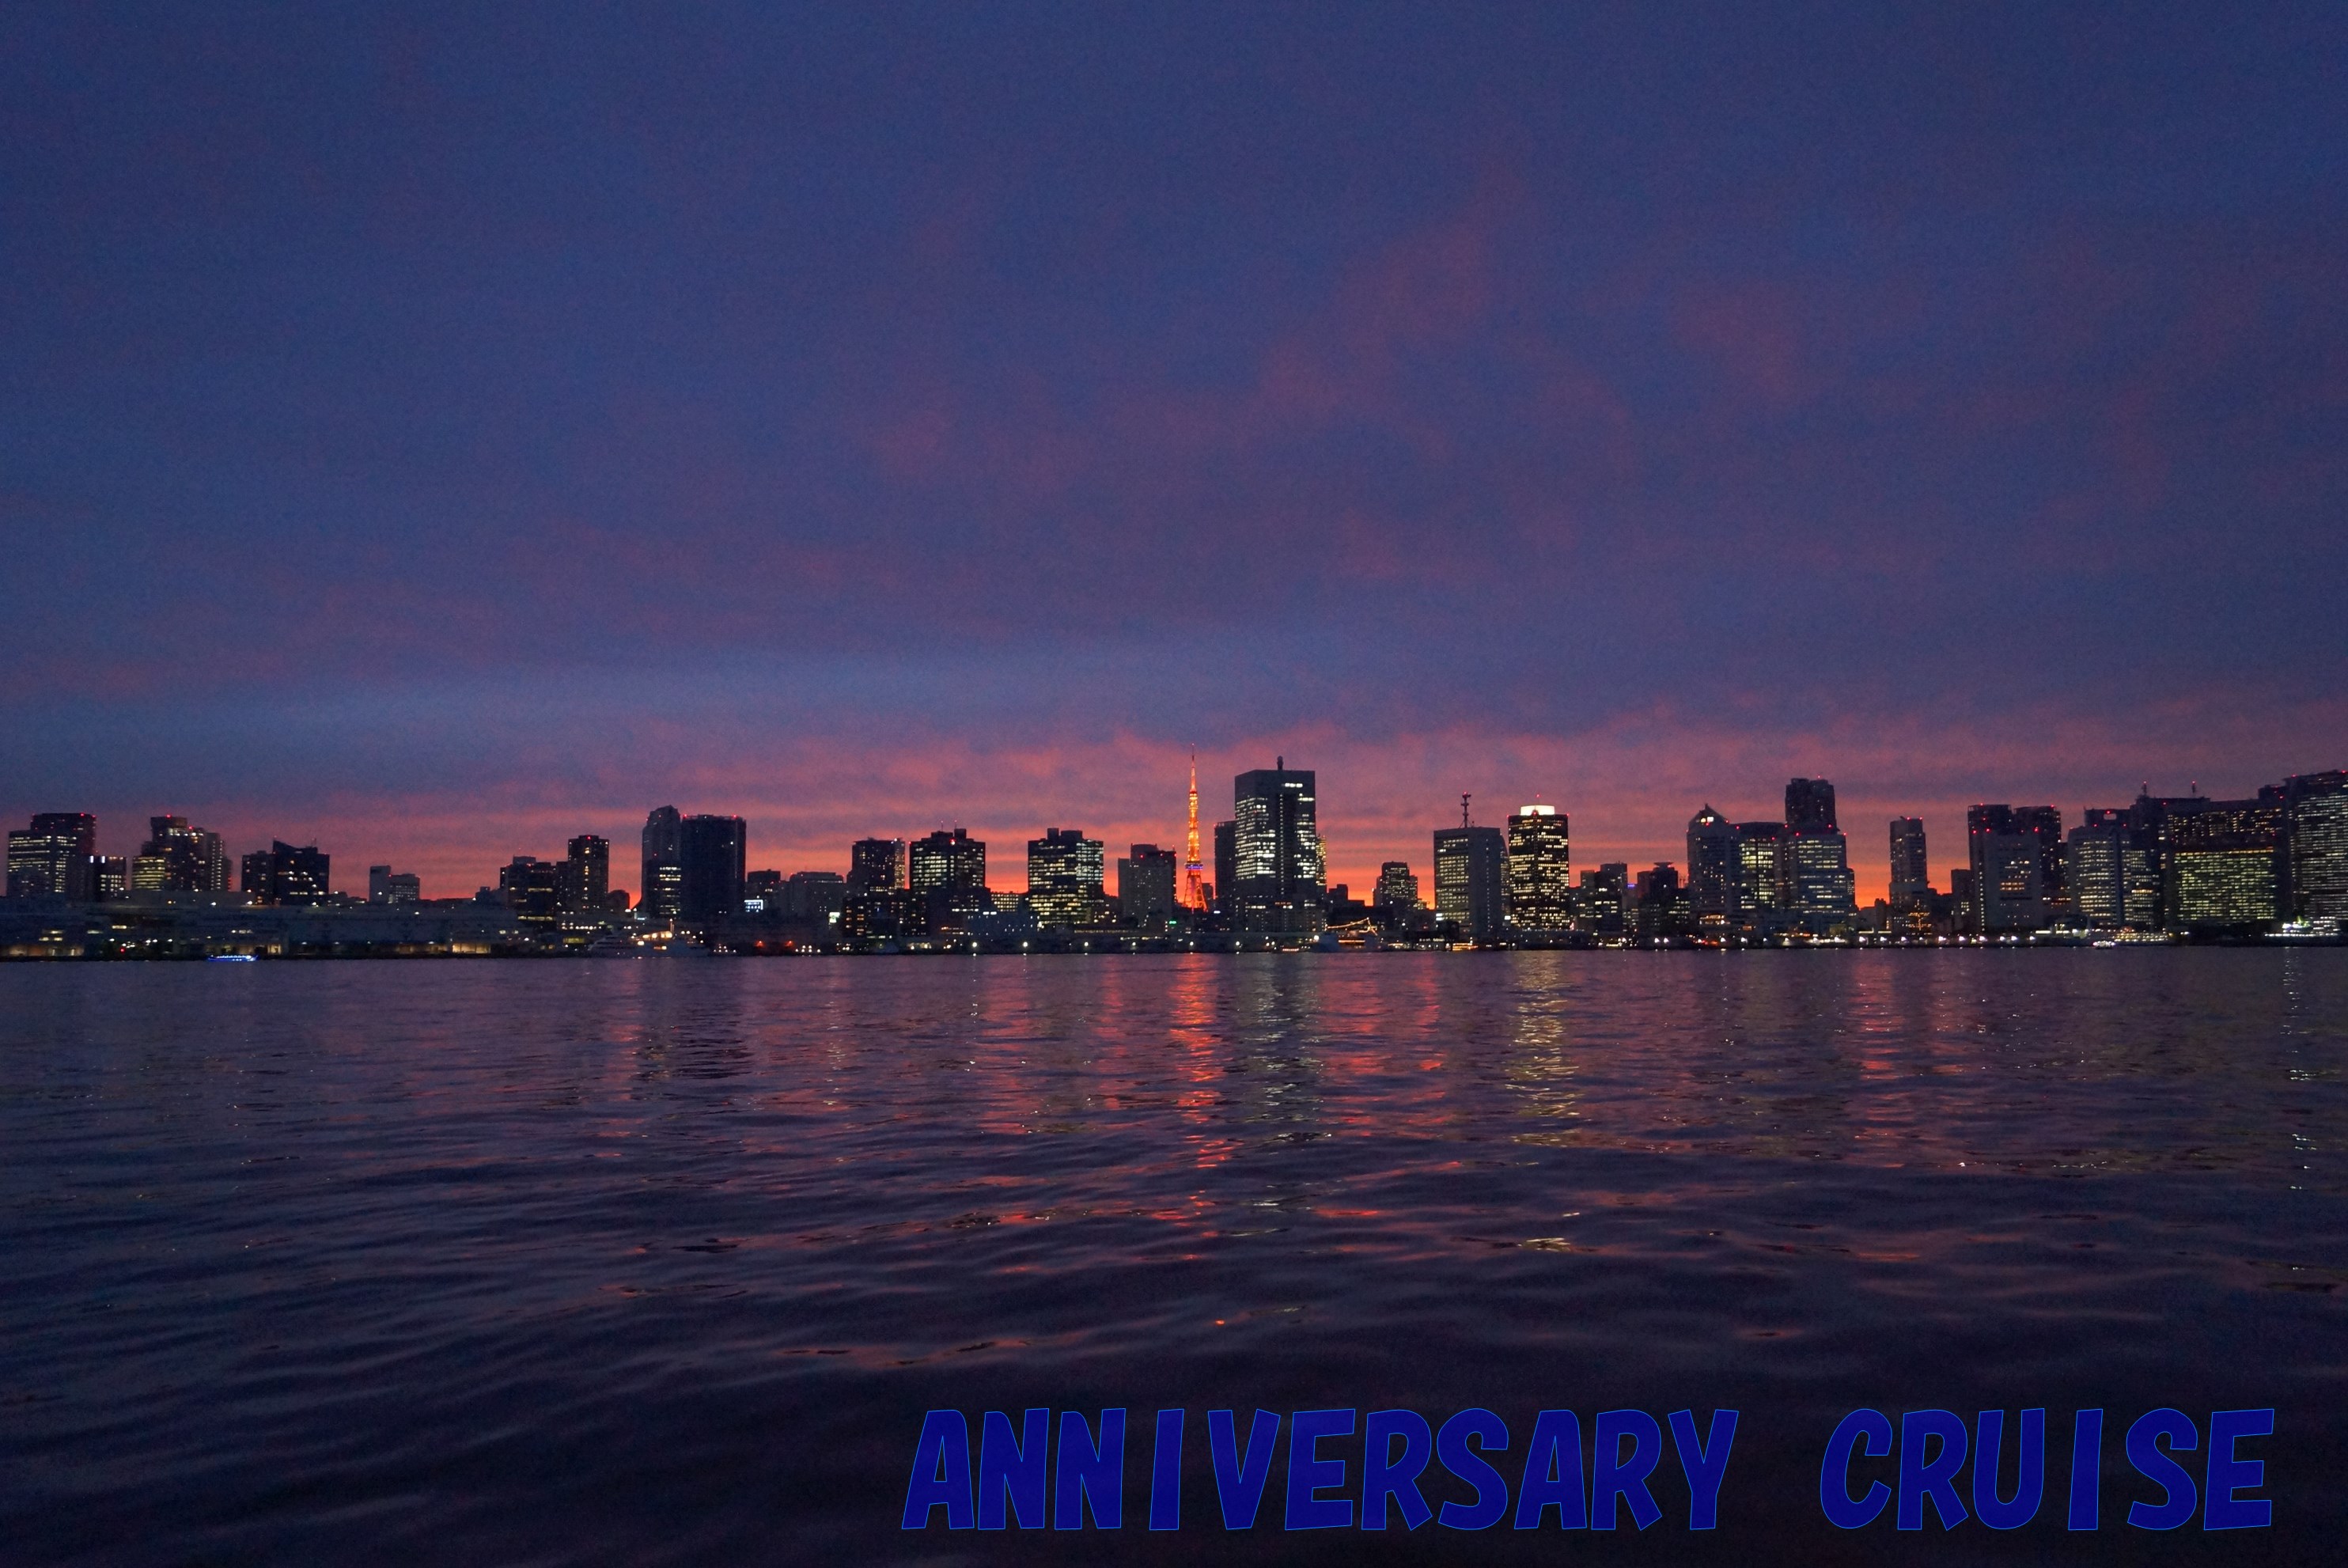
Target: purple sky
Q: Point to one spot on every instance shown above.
(440, 434)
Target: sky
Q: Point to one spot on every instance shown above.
(434, 432)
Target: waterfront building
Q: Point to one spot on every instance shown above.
(712, 857)
(1145, 887)
(947, 873)
(1539, 870)
(2315, 825)
(533, 889)
(876, 863)
(1471, 880)
(1660, 903)
(660, 892)
(1227, 874)
(387, 886)
(1760, 890)
(110, 878)
(2095, 865)
(1912, 871)
(586, 875)
(52, 857)
(1397, 887)
(1278, 879)
(1713, 871)
(1814, 877)
(811, 898)
(2219, 863)
(1602, 906)
(285, 874)
(178, 858)
(1064, 873)
(2010, 850)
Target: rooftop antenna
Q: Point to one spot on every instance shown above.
(1462, 812)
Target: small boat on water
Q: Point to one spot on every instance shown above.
(232, 958)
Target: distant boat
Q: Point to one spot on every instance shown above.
(232, 958)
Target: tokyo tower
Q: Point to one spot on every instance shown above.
(1192, 897)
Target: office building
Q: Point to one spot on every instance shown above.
(2316, 827)
(1713, 871)
(1064, 872)
(1227, 861)
(2096, 866)
(713, 863)
(1602, 903)
(1279, 880)
(285, 875)
(947, 873)
(1397, 887)
(1471, 880)
(1760, 896)
(178, 857)
(660, 895)
(110, 878)
(2008, 849)
(1540, 870)
(1145, 887)
(2221, 864)
(52, 857)
(1911, 873)
(586, 875)
(1813, 876)
(1810, 807)
(876, 863)
(812, 898)
(387, 886)
(1660, 905)
(533, 889)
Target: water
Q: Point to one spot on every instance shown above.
(661, 1261)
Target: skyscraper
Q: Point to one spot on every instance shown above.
(387, 886)
(947, 872)
(1714, 871)
(875, 865)
(1540, 870)
(2095, 868)
(2220, 866)
(1397, 887)
(1912, 871)
(1281, 883)
(1227, 874)
(586, 875)
(1760, 896)
(285, 875)
(533, 889)
(713, 861)
(2008, 849)
(177, 858)
(1814, 861)
(661, 895)
(1064, 878)
(1471, 877)
(1603, 906)
(1145, 887)
(2315, 822)
(52, 858)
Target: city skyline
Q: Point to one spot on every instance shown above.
(1949, 852)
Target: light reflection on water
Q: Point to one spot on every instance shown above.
(651, 1260)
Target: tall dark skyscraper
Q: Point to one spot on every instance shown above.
(1713, 871)
(1540, 870)
(1471, 880)
(1912, 871)
(875, 865)
(947, 872)
(1810, 807)
(1145, 887)
(1814, 861)
(1227, 863)
(2315, 825)
(713, 854)
(2095, 869)
(52, 857)
(661, 895)
(586, 875)
(1281, 883)
(1064, 878)
(2009, 848)
(1760, 895)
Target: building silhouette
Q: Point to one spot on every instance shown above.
(1146, 882)
(1539, 870)
(586, 875)
(1471, 877)
(1227, 874)
(660, 892)
(712, 858)
(1912, 871)
(947, 873)
(285, 874)
(178, 858)
(1280, 880)
(533, 889)
(1715, 871)
(1814, 861)
(2009, 850)
(874, 864)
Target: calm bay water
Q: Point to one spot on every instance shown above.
(661, 1261)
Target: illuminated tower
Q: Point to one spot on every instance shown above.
(1193, 897)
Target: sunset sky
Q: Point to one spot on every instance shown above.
(439, 434)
